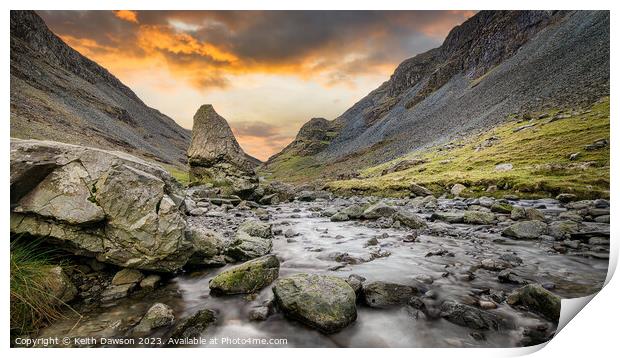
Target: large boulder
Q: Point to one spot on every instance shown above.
(216, 157)
(194, 325)
(206, 244)
(257, 228)
(537, 299)
(478, 217)
(409, 219)
(248, 277)
(323, 302)
(379, 210)
(109, 205)
(471, 317)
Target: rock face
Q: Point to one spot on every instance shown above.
(216, 157)
(312, 137)
(326, 303)
(58, 94)
(109, 205)
(248, 277)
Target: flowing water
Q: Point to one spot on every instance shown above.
(313, 251)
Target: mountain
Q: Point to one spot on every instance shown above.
(495, 65)
(58, 94)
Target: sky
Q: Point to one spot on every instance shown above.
(266, 72)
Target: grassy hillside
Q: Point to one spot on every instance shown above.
(539, 154)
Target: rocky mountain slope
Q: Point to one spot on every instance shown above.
(58, 94)
(494, 65)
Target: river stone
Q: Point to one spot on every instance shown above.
(467, 316)
(409, 219)
(501, 208)
(326, 303)
(339, 216)
(159, 315)
(257, 228)
(126, 276)
(526, 230)
(563, 228)
(452, 217)
(478, 217)
(59, 285)
(379, 210)
(246, 247)
(150, 282)
(248, 277)
(194, 325)
(537, 299)
(353, 211)
(381, 294)
(115, 292)
(215, 156)
(495, 264)
(144, 224)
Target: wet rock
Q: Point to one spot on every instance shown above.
(449, 217)
(526, 230)
(356, 282)
(339, 216)
(487, 305)
(194, 325)
(439, 252)
(379, 210)
(468, 316)
(353, 211)
(508, 276)
(323, 302)
(494, 264)
(248, 277)
(150, 282)
(371, 242)
(59, 285)
(246, 247)
(108, 205)
(457, 189)
(521, 213)
(117, 292)
(259, 313)
(256, 228)
(126, 276)
(159, 315)
(306, 195)
(501, 208)
(409, 219)
(478, 217)
(381, 294)
(537, 299)
(563, 228)
(290, 233)
(271, 199)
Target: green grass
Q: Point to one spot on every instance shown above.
(539, 155)
(180, 174)
(292, 169)
(32, 305)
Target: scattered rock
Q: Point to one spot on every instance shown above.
(478, 217)
(159, 315)
(246, 247)
(526, 230)
(537, 299)
(468, 316)
(194, 325)
(566, 198)
(457, 189)
(381, 294)
(150, 282)
(409, 219)
(256, 228)
(126, 276)
(379, 210)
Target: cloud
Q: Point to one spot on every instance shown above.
(206, 47)
(127, 15)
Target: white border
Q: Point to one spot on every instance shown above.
(592, 332)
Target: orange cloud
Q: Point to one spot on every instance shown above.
(127, 15)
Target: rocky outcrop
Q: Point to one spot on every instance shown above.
(326, 303)
(313, 137)
(58, 94)
(215, 157)
(108, 205)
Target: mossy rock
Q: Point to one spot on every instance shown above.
(537, 299)
(248, 277)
